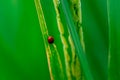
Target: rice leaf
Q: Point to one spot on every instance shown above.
(76, 41)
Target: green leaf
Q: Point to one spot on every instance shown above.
(76, 40)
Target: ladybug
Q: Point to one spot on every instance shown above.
(50, 39)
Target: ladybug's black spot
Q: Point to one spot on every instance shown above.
(50, 39)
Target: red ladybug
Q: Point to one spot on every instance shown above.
(50, 39)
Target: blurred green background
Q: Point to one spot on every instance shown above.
(22, 53)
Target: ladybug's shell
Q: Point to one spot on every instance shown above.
(50, 39)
